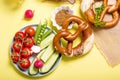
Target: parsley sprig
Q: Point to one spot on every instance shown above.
(98, 11)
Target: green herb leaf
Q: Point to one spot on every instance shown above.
(99, 24)
(97, 18)
(98, 11)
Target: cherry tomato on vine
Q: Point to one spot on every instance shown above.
(28, 42)
(15, 57)
(24, 63)
(26, 52)
(17, 46)
(30, 31)
(19, 36)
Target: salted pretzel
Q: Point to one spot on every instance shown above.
(83, 47)
(108, 9)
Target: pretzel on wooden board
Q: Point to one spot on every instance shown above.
(89, 12)
(83, 47)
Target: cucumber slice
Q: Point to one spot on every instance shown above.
(49, 51)
(47, 33)
(47, 41)
(32, 70)
(50, 63)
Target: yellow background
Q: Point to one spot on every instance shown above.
(93, 66)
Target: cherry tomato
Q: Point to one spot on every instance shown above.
(29, 14)
(15, 57)
(24, 63)
(19, 36)
(26, 52)
(29, 31)
(17, 46)
(28, 42)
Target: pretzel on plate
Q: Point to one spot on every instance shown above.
(91, 15)
(83, 47)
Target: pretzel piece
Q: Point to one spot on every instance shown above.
(109, 9)
(83, 47)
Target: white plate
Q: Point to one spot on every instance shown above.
(31, 59)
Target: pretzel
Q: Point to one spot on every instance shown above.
(83, 47)
(109, 9)
(119, 6)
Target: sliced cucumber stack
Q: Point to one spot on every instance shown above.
(47, 41)
(46, 55)
(49, 64)
(32, 70)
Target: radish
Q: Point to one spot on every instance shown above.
(29, 14)
(38, 63)
(35, 49)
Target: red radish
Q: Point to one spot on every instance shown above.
(35, 49)
(38, 63)
(29, 14)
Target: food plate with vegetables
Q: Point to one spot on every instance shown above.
(32, 52)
